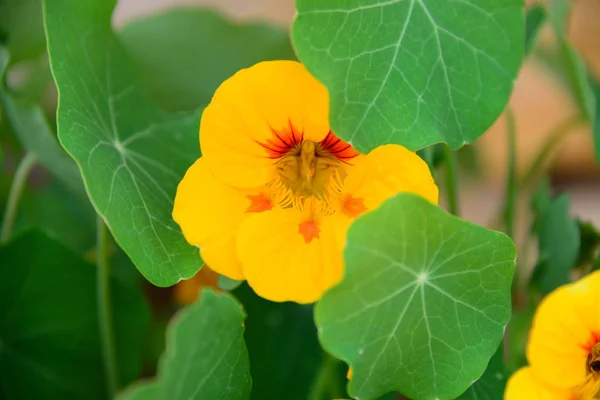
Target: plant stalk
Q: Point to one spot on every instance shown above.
(105, 319)
(510, 196)
(451, 179)
(16, 190)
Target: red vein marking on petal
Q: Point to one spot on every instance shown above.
(592, 341)
(337, 147)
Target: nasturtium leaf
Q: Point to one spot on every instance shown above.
(284, 351)
(534, 20)
(558, 244)
(131, 154)
(412, 72)
(30, 126)
(492, 383)
(205, 356)
(424, 302)
(49, 335)
(194, 50)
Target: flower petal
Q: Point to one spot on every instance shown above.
(386, 171)
(524, 385)
(565, 327)
(280, 265)
(209, 214)
(187, 291)
(252, 115)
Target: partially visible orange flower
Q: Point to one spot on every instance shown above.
(564, 346)
(187, 291)
(275, 191)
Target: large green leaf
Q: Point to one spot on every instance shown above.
(193, 50)
(50, 346)
(492, 383)
(205, 357)
(423, 304)
(131, 154)
(413, 72)
(30, 125)
(282, 344)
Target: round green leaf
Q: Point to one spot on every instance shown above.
(205, 356)
(423, 304)
(131, 154)
(412, 72)
(193, 50)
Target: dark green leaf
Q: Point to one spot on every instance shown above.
(414, 72)
(50, 347)
(536, 15)
(424, 302)
(131, 154)
(596, 120)
(205, 356)
(491, 384)
(283, 347)
(185, 54)
(558, 244)
(590, 243)
(21, 22)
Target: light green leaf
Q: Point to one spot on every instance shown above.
(412, 72)
(558, 244)
(193, 50)
(49, 335)
(492, 383)
(30, 125)
(131, 154)
(205, 357)
(424, 302)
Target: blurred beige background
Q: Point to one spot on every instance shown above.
(539, 104)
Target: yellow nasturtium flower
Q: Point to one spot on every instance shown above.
(275, 190)
(564, 346)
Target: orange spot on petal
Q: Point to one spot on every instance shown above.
(259, 203)
(354, 207)
(309, 230)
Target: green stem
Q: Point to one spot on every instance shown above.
(105, 320)
(428, 157)
(510, 197)
(451, 179)
(16, 190)
(555, 137)
(324, 382)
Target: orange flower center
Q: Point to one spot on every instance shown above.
(308, 176)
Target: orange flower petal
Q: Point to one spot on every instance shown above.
(257, 114)
(209, 214)
(524, 385)
(565, 327)
(280, 265)
(386, 171)
(186, 291)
